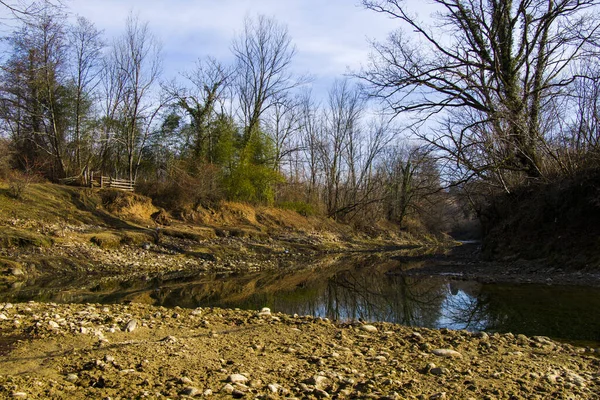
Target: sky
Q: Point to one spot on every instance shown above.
(331, 36)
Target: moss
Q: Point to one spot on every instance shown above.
(6, 264)
(106, 240)
(11, 237)
(137, 238)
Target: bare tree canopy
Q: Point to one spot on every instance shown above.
(263, 53)
(492, 68)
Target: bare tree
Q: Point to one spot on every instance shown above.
(263, 53)
(85, 42)
(492, 66)
(283, 124)
(343, 114)
(135, 68)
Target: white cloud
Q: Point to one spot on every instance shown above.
(330, 36)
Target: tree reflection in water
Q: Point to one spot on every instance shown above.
(351, 288)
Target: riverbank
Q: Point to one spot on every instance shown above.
(464, 262)
(136, 351)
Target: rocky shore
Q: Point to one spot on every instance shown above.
(78, 351)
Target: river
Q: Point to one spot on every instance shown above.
(347, 287)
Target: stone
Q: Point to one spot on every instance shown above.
(438, 396)
(17, 272)
(185, 380)
(227, 388)
(190, 391)
(72, 378)
(53, 324)
(237, 378)
(131, 325)
(446, 353)
(207, 393)
(264, 312)
(3, 317)
(319, 381)
(274, 387)
(439, 371)
(368, 328)
(169, 339)
(19, 395)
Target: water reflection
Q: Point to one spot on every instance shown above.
(350, 288)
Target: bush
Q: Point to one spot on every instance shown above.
(19, 182)
(181, 190)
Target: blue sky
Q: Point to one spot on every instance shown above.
(331, 36)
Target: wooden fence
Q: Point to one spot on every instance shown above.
(108, 182)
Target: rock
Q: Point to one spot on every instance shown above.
(438, 396)
(17, 272)
(439, 371)
(19, 395)
(264, 312)
(185, 380)
(368, 328)
(72, 378)
(321, 394)
(237, 378)
(446, 353)
(319, 381)
(481, 335)
(227, 388)
(207, 393)
(131, 325)
(53, 324)
(169, 339)
(146, 245)
(277, 388)
(3, 317)
(190, 391)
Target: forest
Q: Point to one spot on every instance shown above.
(460, 117)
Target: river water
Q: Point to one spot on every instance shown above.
(349, 288)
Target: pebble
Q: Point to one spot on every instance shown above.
(438, 396)
(131, 325)
(169, 339)
(53, 324)
(439, 371)
(227, 388)
(190, 391)
(72, 378)
(3, 317)
(237, 378)
(368, 328)
(207, 393)
(446, 353)
(264, 312)
(20, 395)
(185, 380)
(319, 381)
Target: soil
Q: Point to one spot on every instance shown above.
(139, 351)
